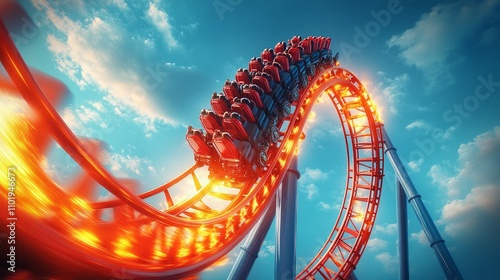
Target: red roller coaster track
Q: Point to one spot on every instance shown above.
(129, 235)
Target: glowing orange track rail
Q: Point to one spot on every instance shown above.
(132, 236)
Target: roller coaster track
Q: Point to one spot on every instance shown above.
(191, 234)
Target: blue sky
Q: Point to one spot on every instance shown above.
(140, 72)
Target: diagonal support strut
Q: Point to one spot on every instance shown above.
(436, 242)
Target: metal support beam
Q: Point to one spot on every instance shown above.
(402, 232)
(250, 250)
(435, 240)
(286, 224)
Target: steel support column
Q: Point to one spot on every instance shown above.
(402, 232)
(286, 224)
(250, 250)
(436, 241)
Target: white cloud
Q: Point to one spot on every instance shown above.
(325, 206)
(437, 134)
(192, 27)
(314, 174)
(148, 125)
(271, 248)
(152, 169)
(96, 51)
(387, 92)
(471, 218)
(478, 161)
(414, 165)
(308, 180)
(389, 261)
(422, 109)
(420, 237)
(310, 189)
(419, 124)
(121, 164)
(464, 215)
(444, 134)
(391, 90)
(71, 120)
(436, 174)
(268, 248)
(58, 172)
(87, 63)
(431, 44)
(386, 228)
(118, 112)
(480, 157)
(376, 244)
(322, 123)
(87, 115)
(160, 20)
(441, 177)
(98, 106)
(79, 119)
(103, 125)
(120, 4)
(432, 134)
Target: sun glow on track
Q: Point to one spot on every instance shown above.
(86, 237)
(218, 186)
(374, 101)
(20, 152)
(299, 144)
(358, 212)
(158, 253)
(220, 263)
(186, 243)
(123, 248)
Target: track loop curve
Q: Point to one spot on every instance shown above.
(190, 234)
